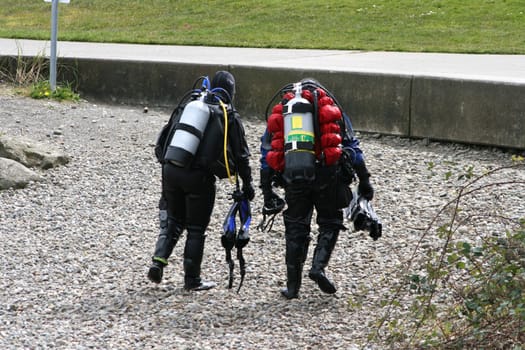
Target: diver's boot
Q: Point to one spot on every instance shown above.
(293, 281)
(169, 235)
(295, 257)
(193, 252)
(319, 277)
(325, 245)
(155, 271)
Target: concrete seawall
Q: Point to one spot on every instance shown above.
(462, 104)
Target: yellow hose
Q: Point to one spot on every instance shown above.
(225, 113)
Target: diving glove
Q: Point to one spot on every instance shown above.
(248, 190)
(365, 187)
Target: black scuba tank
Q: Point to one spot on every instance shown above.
(299, 156)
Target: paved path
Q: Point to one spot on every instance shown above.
(504, 68)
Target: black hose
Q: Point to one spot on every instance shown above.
(287, 87)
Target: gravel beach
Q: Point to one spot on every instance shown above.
(76, 247)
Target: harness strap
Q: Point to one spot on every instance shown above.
(242, 267)
(189, 128)
(298, 145)
(231, 265)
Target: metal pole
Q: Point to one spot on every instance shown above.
(54, 30)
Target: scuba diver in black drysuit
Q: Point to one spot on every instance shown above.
(188, 191)
(323, 187)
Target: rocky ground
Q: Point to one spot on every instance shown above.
(76, 247)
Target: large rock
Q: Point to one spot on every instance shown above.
(15, 175)
(30, 153)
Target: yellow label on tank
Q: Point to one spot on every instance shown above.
(297, 122)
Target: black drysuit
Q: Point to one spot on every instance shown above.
(327, 194)
(188, 196)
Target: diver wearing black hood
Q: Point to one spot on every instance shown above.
(188, 190)
(309, 148)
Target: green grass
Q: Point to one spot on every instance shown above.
(466, 26)
(42, 90)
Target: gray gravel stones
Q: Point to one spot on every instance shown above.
(75, 248)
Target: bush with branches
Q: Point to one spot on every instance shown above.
(469, 293)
